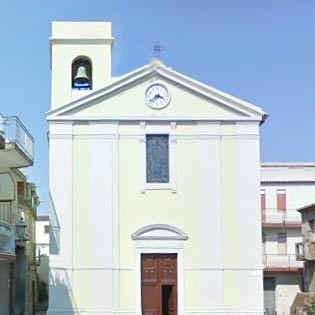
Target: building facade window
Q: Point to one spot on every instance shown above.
(157, 158)
(263, 199)
(264, 242)
(281, 199)
(46, 229)
(282, 243)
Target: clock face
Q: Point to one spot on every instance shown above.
(157, 96)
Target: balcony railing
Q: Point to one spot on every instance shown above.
(7, 238)
(10, 212)
(278, 262)
(14, 131)
(283, 217)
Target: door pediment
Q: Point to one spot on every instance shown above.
(159, 232)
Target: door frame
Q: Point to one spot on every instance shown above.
(161, 247)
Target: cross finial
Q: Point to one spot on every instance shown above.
(157, 48)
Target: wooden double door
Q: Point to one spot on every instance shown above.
(159, 284)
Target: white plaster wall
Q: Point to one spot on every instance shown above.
(94, 166)
(248, 175)
(297, 195)
(284, 172)
(85, 229)
(43, 249)
(293, 236)
(60, 182)
(42, 238)
(209, 160)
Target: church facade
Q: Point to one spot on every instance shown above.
(155, 182)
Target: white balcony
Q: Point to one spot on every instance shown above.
(276, 262)
(274, 217)
(16, 143)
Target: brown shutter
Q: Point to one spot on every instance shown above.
(281, 199)
(263, 199)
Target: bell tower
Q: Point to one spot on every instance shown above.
(81, 54)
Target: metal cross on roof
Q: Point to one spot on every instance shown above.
(157, 48)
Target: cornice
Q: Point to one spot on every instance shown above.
(82, 41)
(155, 69)
(56, 119)
(209, 92)
(192, 136)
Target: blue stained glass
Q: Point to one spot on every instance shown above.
(157, 158)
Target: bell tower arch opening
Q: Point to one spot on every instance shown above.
(82, 73)
(81, 57)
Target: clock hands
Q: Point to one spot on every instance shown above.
(157, 96)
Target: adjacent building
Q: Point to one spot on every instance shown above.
(154, 181)
(18, 203)
(305, 253)
(42, 253)
(305, 250)
(285, 187)
(42, 235)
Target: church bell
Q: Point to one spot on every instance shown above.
(81, 80)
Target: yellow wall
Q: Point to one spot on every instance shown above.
(180, 209)
(140, 209)
(230, 213)
(137, 209)
(81, 198)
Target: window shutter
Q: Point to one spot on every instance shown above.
(281, 199)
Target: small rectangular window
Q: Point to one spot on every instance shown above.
(264, 242)
(282, 243)
(157, 158)
(46, 229)
(263, 199)
(281, 199)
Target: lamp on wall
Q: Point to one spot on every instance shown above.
(21, 230)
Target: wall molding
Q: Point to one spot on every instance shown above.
(159, 232)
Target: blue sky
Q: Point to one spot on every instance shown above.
(260, 51)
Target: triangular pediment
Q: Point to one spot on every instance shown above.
(125, 99)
